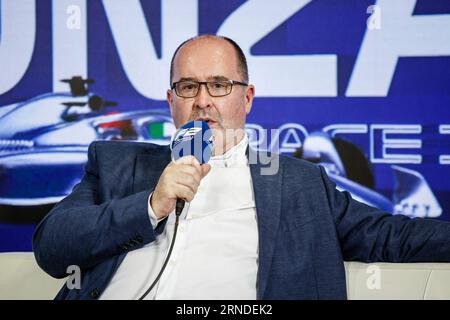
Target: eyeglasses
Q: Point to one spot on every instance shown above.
(190, 89)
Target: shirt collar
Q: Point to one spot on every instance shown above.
(234, 157)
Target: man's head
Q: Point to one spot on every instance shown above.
(218, 60)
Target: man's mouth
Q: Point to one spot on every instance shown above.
(207, 120)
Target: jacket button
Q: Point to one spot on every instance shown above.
(95, 293)
(124, 247)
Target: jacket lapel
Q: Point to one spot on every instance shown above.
(267, 189)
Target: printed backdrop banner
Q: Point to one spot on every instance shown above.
(361, 87)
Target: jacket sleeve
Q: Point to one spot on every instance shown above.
(81, 231)
(368, 234)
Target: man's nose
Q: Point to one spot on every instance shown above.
(203, 99)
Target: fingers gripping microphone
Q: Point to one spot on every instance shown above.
(192, 139)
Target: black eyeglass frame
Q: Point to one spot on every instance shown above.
(232, 82)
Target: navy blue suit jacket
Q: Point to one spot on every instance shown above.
(306, 227)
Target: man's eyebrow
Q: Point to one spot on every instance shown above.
(218, 78)
(210, 78)
(187, 79)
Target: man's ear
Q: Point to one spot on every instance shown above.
(170, 101)
(249, 95)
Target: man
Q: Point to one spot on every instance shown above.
(243, 235)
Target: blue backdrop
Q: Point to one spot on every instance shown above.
(375, 73)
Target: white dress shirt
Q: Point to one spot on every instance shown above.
(216, 250)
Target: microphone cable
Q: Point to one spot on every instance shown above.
(178, 209)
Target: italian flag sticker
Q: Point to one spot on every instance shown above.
(160, 130)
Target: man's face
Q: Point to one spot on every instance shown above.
(209, 59)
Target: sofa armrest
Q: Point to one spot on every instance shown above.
(416, 281)
(22, 279)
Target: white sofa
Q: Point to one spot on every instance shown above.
(21, 278)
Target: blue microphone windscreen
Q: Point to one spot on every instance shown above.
(194, 138)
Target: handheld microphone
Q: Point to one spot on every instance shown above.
(192, 139)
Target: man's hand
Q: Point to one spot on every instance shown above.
(180, 179)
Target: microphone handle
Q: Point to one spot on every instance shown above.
(179, 206)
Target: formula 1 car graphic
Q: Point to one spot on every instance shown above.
(44, 140)
(348, 167)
